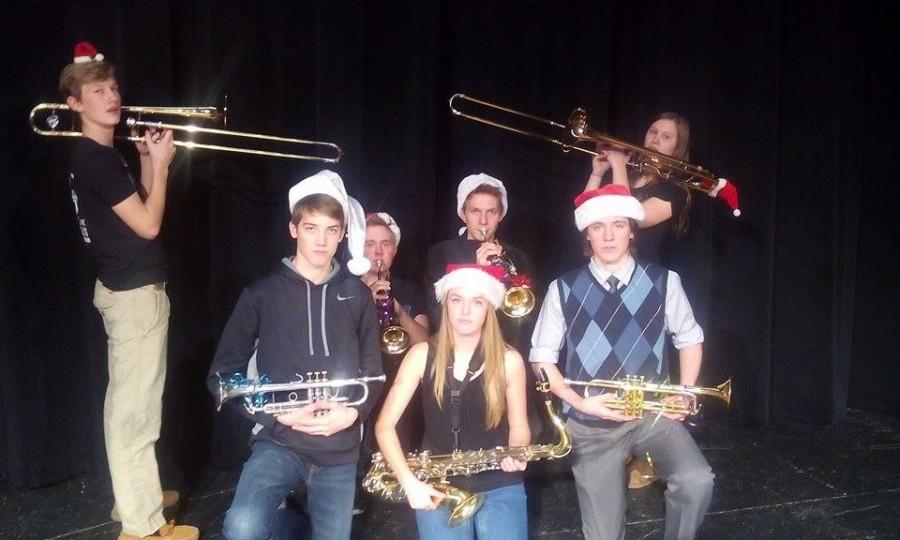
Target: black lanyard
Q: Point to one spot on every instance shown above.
(456, 390)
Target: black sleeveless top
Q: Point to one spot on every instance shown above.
(473, 434)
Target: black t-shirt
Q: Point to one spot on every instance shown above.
(473, 434)
(99, 179)
(653, 243)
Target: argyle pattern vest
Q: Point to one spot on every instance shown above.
(609, 336)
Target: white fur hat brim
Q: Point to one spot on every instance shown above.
(602, 206)
(474, 281)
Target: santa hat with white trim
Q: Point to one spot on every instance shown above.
(329, 183)
(475, 279)
(86, 52)
(611, 200)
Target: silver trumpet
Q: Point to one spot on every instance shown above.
(260, 394)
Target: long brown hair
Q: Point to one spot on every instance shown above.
(493, 378)
(682, 151)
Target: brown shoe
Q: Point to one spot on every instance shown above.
(640, 473)
(169, 531)
(170, 499)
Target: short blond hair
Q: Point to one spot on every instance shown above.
(74, 76)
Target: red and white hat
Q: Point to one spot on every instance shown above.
(86, 52)
(608, 201)
(477, 280)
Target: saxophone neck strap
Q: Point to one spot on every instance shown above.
(456, 390)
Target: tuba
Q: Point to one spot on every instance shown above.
(434, 469)
(260, 395)
(394, 339)
(518, 301)
(631, 395)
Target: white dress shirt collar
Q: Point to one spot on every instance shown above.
(623, 274)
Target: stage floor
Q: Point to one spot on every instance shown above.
(791, 481)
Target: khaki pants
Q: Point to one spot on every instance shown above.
(137, 325)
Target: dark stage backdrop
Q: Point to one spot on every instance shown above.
(797, 297)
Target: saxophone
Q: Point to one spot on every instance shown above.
(434, 469)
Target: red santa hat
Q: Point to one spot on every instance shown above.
(330, 183)
(611, 200)
(474, 279)
(86, 52)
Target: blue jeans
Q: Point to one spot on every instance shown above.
(502, 517)
(270, 474)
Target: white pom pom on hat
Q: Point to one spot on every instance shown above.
(329, 183)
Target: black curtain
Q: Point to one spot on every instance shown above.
(786, 98)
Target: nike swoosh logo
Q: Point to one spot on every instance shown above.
(342, 298)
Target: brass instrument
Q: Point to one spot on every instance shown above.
(434, 469)
(630, 395)
(394, 339)
(576, 132)
(52, 121)
(519, 300)
(259, 395)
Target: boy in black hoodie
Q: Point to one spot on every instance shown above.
(309, 315)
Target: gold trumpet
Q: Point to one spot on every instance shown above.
(52, 121)
(630, 395)
(518, 301)
(577, 134)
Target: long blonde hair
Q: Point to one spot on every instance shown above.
(493, 378)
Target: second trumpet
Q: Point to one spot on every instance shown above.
(631, 395)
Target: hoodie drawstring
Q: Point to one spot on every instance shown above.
(324, 336)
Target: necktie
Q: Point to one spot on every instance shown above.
(613, 283)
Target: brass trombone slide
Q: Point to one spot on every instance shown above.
(577, 131)
(203, 113)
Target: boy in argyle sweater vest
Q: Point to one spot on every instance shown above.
(613, 315)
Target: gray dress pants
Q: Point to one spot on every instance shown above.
(599, 458)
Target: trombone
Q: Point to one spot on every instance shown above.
(576, 132)
(209, 114)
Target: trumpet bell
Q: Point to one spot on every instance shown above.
(518, 302)
(394, 340)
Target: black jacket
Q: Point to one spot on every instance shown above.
(303, 327)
